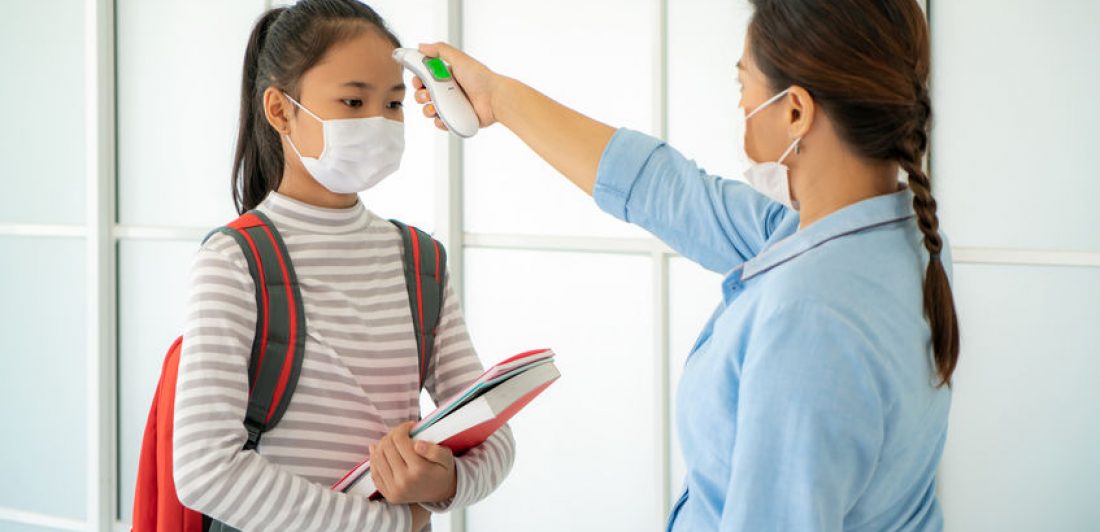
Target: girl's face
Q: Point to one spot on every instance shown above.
(357, 78)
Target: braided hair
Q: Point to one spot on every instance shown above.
(866, 62)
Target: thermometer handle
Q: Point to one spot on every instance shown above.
(451, 104)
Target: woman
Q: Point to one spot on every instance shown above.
(816, 397)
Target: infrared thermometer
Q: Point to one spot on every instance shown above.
(450, 102)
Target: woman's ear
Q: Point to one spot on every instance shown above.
(801, 113)
(277, 110)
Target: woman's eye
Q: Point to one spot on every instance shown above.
(397, 104)
(354, 104)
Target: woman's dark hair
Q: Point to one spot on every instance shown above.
(285, 43)
(866, 62)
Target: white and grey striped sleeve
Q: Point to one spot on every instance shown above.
(213, 475)
(483, 468)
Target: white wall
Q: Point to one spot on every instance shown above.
(1013, 167)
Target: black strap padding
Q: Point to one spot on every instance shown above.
(265, 373)
(432, 275)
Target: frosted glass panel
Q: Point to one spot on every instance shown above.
(152, 291)
(42, 102)
(409, 194)
(42, 375)
(179, 76)
(1025, 426)
(586, 456)
(565, 50)
(705, 42)
(693, 294)
(1015, 108)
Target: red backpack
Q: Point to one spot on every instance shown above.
(276, 359)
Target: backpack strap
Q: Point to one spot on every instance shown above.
(279, 344)
(425, 262)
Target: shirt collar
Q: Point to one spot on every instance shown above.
(288, 212)
(872, 212)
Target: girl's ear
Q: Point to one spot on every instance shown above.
(277, 110)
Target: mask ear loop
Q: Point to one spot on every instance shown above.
(790, 148)
(310, 113)
(769, 101)
(302, 107)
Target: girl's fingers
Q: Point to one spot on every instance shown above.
(422, 96)
(439, 124)
(429, 110)
(404, 444)
(417, 84)
(433, 453)
(379, 470)
(393, 456)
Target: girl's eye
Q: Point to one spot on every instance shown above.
(397, 104)
(354, 104)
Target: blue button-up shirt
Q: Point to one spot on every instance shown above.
(809, 401)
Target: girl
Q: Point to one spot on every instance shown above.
(817, 396)
(319, 82)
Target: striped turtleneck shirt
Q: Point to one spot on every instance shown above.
(359, 379)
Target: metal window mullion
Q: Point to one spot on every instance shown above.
(662, 384)
(159, 233)
(574, 244)
(456, 168)
(15, 515)
(661, 283)
(100, 319)
(43, 230)
(454, 224)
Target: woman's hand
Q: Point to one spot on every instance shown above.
(412, 472)
(571, 142)
(477, 81)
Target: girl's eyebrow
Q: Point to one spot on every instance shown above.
(370, 87)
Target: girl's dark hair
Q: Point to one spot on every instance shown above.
(866, 62)
(285, 43)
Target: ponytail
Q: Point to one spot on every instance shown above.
(258, 160)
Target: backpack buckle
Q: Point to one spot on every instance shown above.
(253, 436)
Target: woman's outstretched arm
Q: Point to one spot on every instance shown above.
(571, 142)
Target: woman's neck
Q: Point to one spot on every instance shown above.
(829, 180)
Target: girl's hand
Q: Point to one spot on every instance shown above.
(420, 517)
(477, 81)
(412, 472)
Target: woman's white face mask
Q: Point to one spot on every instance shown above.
(771, 179)
(358, 152)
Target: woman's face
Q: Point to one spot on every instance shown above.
(357, 78)
(766, 133)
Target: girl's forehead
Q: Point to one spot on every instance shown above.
(366, 59)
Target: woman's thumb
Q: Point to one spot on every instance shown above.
(441, 50)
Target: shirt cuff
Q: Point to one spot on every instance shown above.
(404, 516)
(620, 167)
(464, 473)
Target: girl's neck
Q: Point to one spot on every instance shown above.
(299, 185)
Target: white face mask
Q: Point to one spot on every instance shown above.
(358, 152)
(771, 179)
